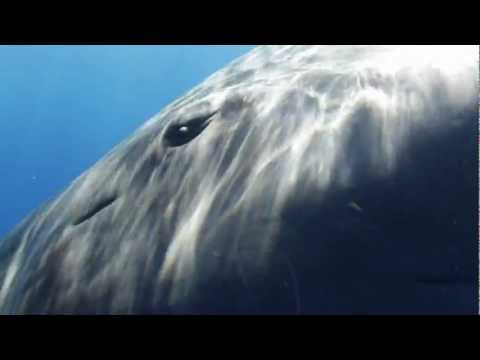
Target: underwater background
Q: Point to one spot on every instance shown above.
(63, 107)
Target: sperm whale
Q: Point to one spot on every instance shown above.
(296, 180)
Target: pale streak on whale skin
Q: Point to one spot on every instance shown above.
(253, 214)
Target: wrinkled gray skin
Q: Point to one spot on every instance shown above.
(299, 179)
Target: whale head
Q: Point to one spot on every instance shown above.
(298, 179)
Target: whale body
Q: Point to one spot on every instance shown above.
(296, 180)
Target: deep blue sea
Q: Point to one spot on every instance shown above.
(63, 107)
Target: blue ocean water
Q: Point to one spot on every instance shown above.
(64, 107)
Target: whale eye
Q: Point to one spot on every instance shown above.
(180, 133)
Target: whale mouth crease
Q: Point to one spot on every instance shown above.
(99, 206)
